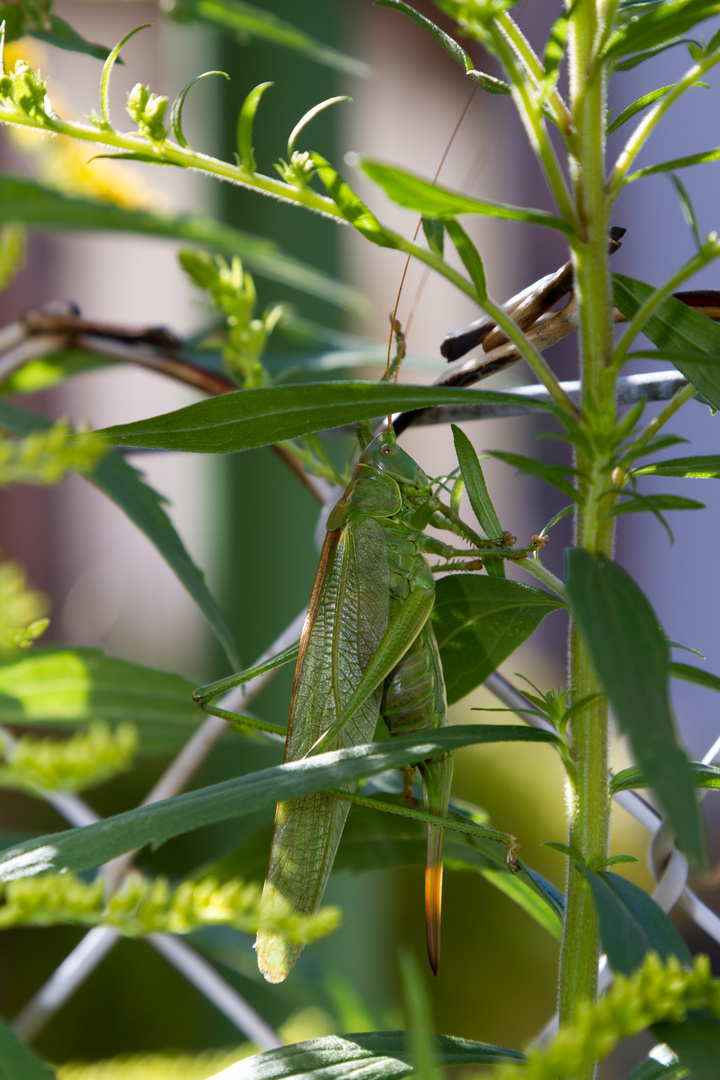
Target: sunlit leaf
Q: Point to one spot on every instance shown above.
(382, 1055)
(87, 847)
(66, 687)
(415, 193)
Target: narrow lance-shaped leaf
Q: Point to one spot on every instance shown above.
(92, 845)
(144, 506)
(657, 24)
(382, 1055)
(631, 656)
(415, 193)
(451, 47)
(676, 327)
(476, 488)
(245, 419)
(701, 466)
(631, 923)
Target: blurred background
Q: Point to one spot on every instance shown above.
(250, 525)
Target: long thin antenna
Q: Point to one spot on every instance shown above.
(393, 317)
(443, 159)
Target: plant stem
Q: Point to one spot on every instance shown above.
(588, 797)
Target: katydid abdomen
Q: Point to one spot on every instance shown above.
(368, 613)
(413, 700)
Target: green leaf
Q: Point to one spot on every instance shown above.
(243, 20)
(700, 466)
(631, 923)
(479, 621)
(87, 847)
(652, 1069)
(704, 776)
(63, 36)
(652, 26)
(687, 208)
(470, 257)
(476, 488)
(17, 1062)
(40, 207)
(690, 673)
(696, 1042)
(555, 48)
(245, 124)
(434, 234)
(631, 656)
(449, 44)
(451, 47)
(552, 474)
(178, 104)
(352, 206)
(126, 487)
(686, 162)
(246, 419)
(68, 687)
(642, 103)
(415, 193)
(677, 327)
(382, 1055)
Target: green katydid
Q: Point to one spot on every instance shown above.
(367, 651)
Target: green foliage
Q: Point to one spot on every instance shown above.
(479, 622)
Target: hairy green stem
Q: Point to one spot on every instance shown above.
(588, 796)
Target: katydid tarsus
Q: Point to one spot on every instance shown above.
(367, 651)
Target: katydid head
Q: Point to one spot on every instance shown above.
(387, 457)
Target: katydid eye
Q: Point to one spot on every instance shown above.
(388, 450)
